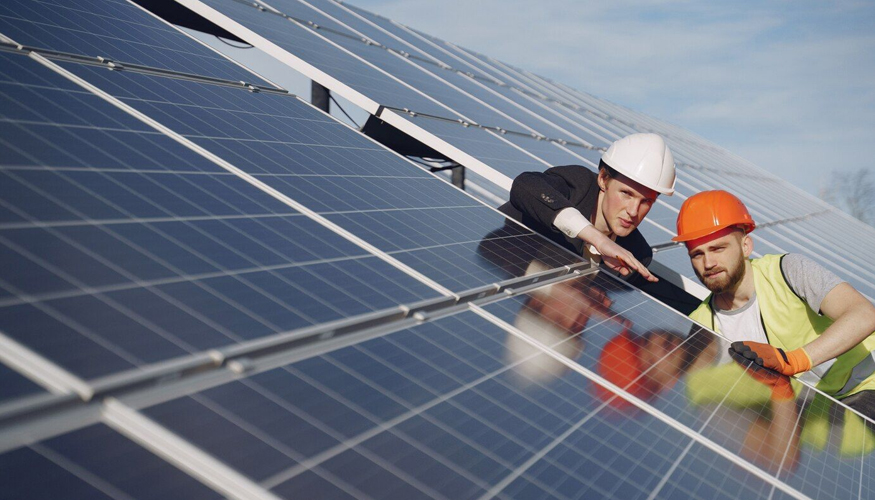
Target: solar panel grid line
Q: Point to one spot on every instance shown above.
(687, 449)
(516, 86)
(518, 89)
(559, 142)
(22, 427)
(477, 101)
(155, 258)
(180, 453)
(541, 454)
(55, 55)
(254, 181)
(80, 472)
(114, 304)
(120, 26)
(348, 443)
(182, 278)
(337, 481)
(700, 147)
(217, 366)
(862, 469)
(696, 181)
(784, 457)
(760, 225)
(594, 377)
(808, 388)
(814, 234)
(623, 126)
(466, 75)
(579, 121)
(357, 98)
(463, 158)
(132, 220)
(447, 397)
(79, 328)
(296, 63)
(524, 81)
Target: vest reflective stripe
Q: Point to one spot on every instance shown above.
(790, 324)
(863, 370)
(814, 375)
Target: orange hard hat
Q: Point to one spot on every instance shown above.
(710, 211)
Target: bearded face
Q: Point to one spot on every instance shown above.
(719, 259)
(722, 278)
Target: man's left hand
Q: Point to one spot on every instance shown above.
(773, 358)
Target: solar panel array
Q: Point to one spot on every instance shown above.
(210, 288)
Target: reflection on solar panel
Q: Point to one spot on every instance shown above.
(209, 288)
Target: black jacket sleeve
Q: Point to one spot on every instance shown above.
(542, 195)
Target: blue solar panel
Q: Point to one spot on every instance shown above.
(94, 462)
(15, 385)
(501, 98)
(455, 408)
(114, 29)
(306, 45)
(381, 88)
(389, 202)
(131, 256)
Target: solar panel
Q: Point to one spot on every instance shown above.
(394, 205)
(16, 386)
(94, 462)
(213, 289)
(113, 29)
(114, 240)
(456, 71)
(370, 84)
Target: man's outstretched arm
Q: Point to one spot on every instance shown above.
(853, 320)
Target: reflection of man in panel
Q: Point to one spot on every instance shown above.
(783, 312)
(557, 315)
(599, 214)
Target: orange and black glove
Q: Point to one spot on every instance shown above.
(773, 358)
(779, 384)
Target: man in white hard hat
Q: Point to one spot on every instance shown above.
(597, 215)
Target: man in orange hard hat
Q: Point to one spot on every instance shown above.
(597, 215)
(783, 312)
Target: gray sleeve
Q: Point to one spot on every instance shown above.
(808, 279)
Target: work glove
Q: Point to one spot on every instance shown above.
(773, 358)
(779, 384)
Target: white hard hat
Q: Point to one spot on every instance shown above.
(645, 159)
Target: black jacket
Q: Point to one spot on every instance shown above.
(537, 197)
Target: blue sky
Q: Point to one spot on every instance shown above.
(787, 85)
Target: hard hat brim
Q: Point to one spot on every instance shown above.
(695, 235)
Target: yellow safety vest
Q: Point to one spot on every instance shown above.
(790, 323)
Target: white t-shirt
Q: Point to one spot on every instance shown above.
(743, 323)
